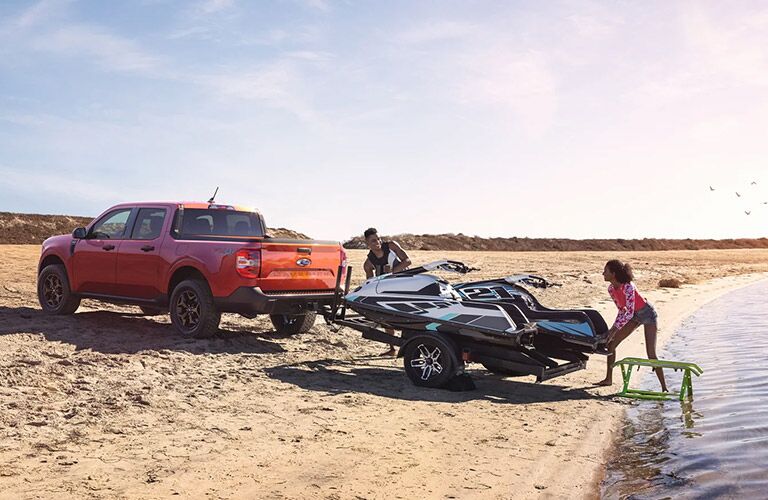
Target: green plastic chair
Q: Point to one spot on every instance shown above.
(686, 389)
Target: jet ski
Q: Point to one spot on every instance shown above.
(411, 300)
(578, 329)
(497, 323)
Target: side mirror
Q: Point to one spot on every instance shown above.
(79, 233)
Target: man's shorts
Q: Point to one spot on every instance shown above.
(646, 316)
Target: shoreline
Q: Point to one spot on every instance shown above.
(671, 314)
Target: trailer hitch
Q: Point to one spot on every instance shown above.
(338, 308)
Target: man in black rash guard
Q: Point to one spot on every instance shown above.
(384, 257)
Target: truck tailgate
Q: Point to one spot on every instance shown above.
(298, 265)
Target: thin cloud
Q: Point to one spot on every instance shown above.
(439, 31)
(522, 83)
(596, 27)
(310, 55)
(109, 51)
(213, 6)
(486, 70)
(40, 12)
(735, 51)
(718, 53)
(279, 85)
(25, 180)
(317, 4)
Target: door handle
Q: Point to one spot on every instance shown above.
(108, 247)
(147, 248)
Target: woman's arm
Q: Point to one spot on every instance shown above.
(626, 312)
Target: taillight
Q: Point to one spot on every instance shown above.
(248, 263)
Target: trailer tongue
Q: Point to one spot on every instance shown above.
(442, 329)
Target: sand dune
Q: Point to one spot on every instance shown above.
(111, 404)
(458, 242)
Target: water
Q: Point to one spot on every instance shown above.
(717, 445)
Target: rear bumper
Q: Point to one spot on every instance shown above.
(251, 301)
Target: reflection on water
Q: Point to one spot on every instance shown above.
(717, 445)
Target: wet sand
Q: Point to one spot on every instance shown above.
(111, 404)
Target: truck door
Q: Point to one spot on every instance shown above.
(94, 259)
(140, 265)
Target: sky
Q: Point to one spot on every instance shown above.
(573, 119)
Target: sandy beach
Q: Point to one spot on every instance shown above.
(112, 404)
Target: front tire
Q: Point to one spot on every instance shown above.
(53, 291)
(429, 360)
(193, 312)
(291, 324)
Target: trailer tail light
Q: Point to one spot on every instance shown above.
(248, 263)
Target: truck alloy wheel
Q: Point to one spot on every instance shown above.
(53, 291)
(188, 309)
(193, 312)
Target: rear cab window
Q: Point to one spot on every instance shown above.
(213, 224)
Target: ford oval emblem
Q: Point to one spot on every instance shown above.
(303, 262)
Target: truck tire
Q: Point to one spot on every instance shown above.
(152, 311)
(429, 360)
(193, 312)
(291, 324)
(53, 291)
(500, 370)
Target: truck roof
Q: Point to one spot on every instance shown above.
(188, 204)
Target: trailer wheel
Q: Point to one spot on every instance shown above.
(500, 370)
(291, 324)
(429, 360)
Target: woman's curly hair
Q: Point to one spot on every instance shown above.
(622, 271)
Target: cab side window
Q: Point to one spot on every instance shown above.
(111, 226)
(149, 224)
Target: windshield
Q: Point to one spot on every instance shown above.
(198, 223)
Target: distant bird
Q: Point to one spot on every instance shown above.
(737, 194)
(747, 212)
(765, 203)
(753, 183)
(711, 188)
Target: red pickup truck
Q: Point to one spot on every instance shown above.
(197, 260)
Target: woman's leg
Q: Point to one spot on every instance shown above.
(623, 333)
(650, 347)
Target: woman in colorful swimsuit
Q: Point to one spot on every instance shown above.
(634, 311)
